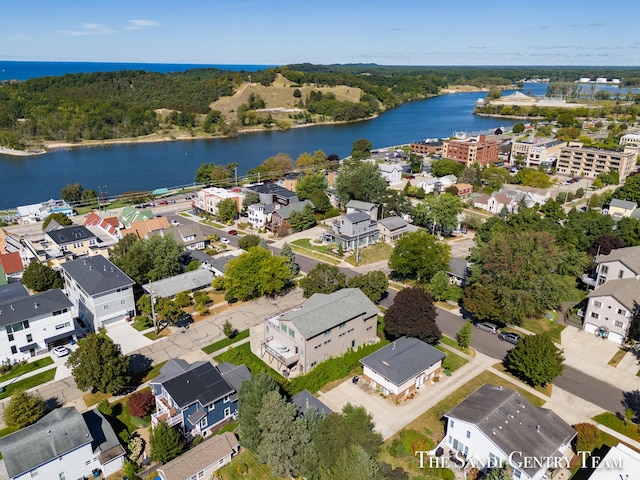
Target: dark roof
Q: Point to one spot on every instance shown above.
(272, 188)
(234, 374)
(514, 424)
(55, 434)
(104, 438)
(403, 359)
(220, 263)
(305, 400)
(458, 267)
(12, 292)
(71, 234)
(357, 217)
(32, 306)
(393, 223)
(202, 382)
(96, 274)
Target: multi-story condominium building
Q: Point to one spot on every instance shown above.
(208, 198)
(632, 139)
(428, 147)
(325, 326)
(576, 159)
(32, 324)
(102, 293)
(538, 152)
(472, 150)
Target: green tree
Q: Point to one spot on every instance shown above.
(536, 360)
(373, 284)
(419, 255)
(503, 472)
(250, 398)
(445, 166)
(630, 191)
(297, 93)
(23, 409)
(228, 329)
(98, 364)
(320, 201)
(72, 193)
(532, 178)
(302, 220)
(40, 278)
(439, 286)
(165, 443)
(250, 199)
(89, 198)
(227, 210)
(167, 310)
(518, 128)
(415, 162)
(248, 241)
(290, 257)
(61, 218)
(361, 149)
(413, 314)
(323, 278)
(182, 300)
(255, 273)
(308, 184)
(553, 210)
(464, 335)
(150, 259)
(360, 182)
(353, 463)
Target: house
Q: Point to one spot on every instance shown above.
(183, 282)
(305, 400)
(12, 265)
(59, 244)
(576, 159)
(102, 293)
(207, 199)
(610, 308)
(496, 424)
(196, 397)
(270, 193)
(622, 208)
(354, 230)
(495, 202)
(326, 325)
(428, 184)
(260, 215)
(399, 369)
(290, 181)
(191, 236)
(143, 229)
(529, 196)
(620, 263)
(446, 181)
(468, 151)
(464, 190)
(202, 460)
(619, 463)
(131, 214)
(458, 271)
(63, 444)
(391, 172)
(217, 264)
(109, 225)
(39, 211)
(281, 217)
(392, 228)
(370, 209)
(33, 324)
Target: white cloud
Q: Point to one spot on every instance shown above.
(88, 29)
(142, 24)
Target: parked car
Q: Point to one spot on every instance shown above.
(226, 241)
(163, 202)
(509, 337)
(175, 223)
(61, 351)
(232, 232)
(487, 327)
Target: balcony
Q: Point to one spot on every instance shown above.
(281, 353)
(165, 413)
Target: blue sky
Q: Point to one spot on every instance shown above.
(278, 32)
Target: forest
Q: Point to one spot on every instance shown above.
(125, 104)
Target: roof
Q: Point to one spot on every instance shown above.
(234, 374)
(208, 453)
(272, 188)
(11, 263)
(25, 308)
(624, 290)
(323, 311)
(458, 267)
(171, 369)
(403, 359)
(513, 424)
(55, 434)
(201, 382)
(285, 212)
(623, 204)
(11, 292)
(108, 224)
(393, 223)
(305, 400)
(104, 438)
(358, 205)
(620, 462)
(71, 234)
(96, 274)
(357, 217)
(130, 214)
(184, 282)
(629, 256)
(389, 168)
(146, 226)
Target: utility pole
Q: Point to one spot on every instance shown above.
(153, 312)
(236, 172)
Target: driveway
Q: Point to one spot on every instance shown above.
(127, 337)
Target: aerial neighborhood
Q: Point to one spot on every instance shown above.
(451, 308)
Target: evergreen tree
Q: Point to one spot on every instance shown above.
(323, 278)
(40, 278)
(536, 360)
(166, 443)
(23, 409)
(250, 398)
(292, 263)
(464, 335)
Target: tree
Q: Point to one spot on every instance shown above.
(40, 278)
(23, 409)
(323, 278)
(320, 201)
(308, 184)
(413, 314)
(630, 191)
(302, 220)
(248, 241)
(228, 329)
(98, 364)
(518, 128)
(503, 472)
(297, 93)
(290, 257)
(588, 438)
(250, 398)
(72, 193)
(148, 260)
(362, 182)
(373, 284)
(141, 403)
(445, 166)
(255, 273)
(464, 335)
(553, 210)
(89, 197)
(536, 360)
(415, 162)
(61, 218)
(227, 210)
(439, 286)
(353, 463)
(532, 178)
(361, 149)
(419, 255)
(165, 442)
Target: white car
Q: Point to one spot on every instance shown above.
(175, 223)
(61, 351)
(226, 241)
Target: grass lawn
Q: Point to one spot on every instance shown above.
(229, 427)
(28, 383)
(152, 335)
(455, 294)
(255, 470)
(307, 246)
(317, 255)
(452, 361)
(26, 368)
(543, 325)
(546, 390)
(446, 306)
(220, 344)
(243, 354)
(612, 421)
(452, 343)
(371, 254)
(121, 412)
(7, 431)
(91, 399)
(615, 360)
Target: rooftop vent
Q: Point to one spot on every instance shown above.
(36, 305)
(538, 428)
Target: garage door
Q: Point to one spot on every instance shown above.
(590, 328)
(615, 337)
(113, 321)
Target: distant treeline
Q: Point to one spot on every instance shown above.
(101, 106)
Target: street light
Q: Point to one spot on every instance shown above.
(153, 311)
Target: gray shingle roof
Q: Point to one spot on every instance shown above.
(393, 223)
(357, 217)
(629, 256)
(104, 438)
(96, 274)
(71, 234)
(626, 291)
(33, 306)
(305, 400)
(458, 267)
(623, 204)
(514, 424)
(324, 311)
(184, 282)
(403, 359)
(55, 434)
(358, 205)
(234, 374)
(12, 291)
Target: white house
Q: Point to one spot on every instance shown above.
(63, 445)
(495, 425)
(370, 209)
(260, 215)
(620, 263)
(102, 293)
(428, 184)
(620, 463)
(391, 172)
(32, 324)
(610, 307)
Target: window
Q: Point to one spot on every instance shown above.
(88, 462)
(621, 274)
(604, 269)
(105, 307)
(451, 423)
(292, 334)
(468, 434)
(201, 474)
(62, 476)
(203, 422)
(313, 364)
(597, 304)
(227, 412)
(227, 399)
(14, 350)
(328, 332)
(34, 473)
(618, 324)
(595, 315)
(122, 302)
(622, 312)
(29, 338)
(342, 325)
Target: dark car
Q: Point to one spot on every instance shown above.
(185, 320)
(487, 327)
(232, 232)
(509, 337)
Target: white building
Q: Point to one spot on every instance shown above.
(620, 463)
(260, 215)
(391, 172)
(208, 198)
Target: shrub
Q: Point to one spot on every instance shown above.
(105, 408)
(414, 441)
(182, 300)
(141, 403)
(202, 309)
(243, 469)
(588, 438)
(202, 297)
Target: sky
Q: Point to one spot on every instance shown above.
(280, 32)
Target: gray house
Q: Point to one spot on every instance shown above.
(355, 230)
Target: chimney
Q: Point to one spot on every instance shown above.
(538, 428)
